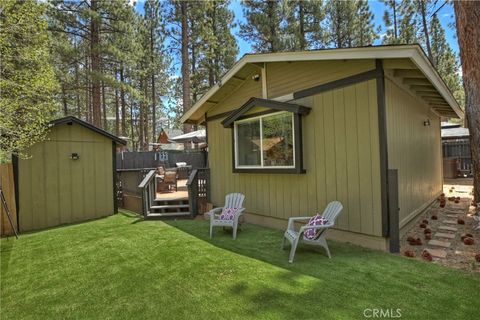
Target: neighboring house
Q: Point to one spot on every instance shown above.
(353, 115)
(163, 141)
(69, 177)
(457, 159)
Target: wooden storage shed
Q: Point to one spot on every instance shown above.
(69, 177)
(358, 125)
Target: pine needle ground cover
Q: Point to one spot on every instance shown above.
(122, 267)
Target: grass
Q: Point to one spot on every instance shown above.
(122, 267)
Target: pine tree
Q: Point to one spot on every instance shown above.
(390, 19)
(264, 25)
(219, 45)
(444, 58)
(159, 66)
(27, 78)
(340, 23)
(364, 27)
(303, 28)
(422, 9)
(407, 30)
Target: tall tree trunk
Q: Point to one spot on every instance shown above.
(467, 16)
(95, 63)
(152, 79)
(145, 118)
(132, 127)
(395, 27)
(77, 94)
(193, 63)
(117, 110)
(423, 12)
(122, 99)
(273, 31)
(301, 18)
(185, 62)
(213, 49)
(104, 108)
(88, 110)
(64, 100)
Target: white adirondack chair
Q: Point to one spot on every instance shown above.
(330, 213)
(232, 200)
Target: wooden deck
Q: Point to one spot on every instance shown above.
(180, 194)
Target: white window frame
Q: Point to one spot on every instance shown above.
(262, 166)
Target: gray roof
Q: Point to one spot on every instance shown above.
(454, 131)
(71, 119)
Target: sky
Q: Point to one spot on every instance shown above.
(445, 14)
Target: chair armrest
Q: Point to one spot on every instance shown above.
(214, 211)
(323, 226)
(240, 211)
(292, 220)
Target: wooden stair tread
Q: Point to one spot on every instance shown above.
(170, 206)
(168, 214)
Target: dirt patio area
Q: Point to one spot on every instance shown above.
(445, 244)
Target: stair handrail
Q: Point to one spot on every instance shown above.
(148, 177)
(147, 187)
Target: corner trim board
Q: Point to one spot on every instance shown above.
(114, 173)
(383, 146)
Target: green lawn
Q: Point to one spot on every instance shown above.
(124, 268)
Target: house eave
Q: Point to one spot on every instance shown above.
(412, 52)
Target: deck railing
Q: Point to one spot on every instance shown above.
(198, 185)
(147, 187)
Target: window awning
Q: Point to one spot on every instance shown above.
(273, 105)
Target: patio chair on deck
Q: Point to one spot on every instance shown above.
(313, 232)
(228, 215)
(170, 179)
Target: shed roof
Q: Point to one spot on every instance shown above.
(454, 132)
(423, 79)
(72, 119)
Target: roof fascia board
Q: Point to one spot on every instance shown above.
(423, 64)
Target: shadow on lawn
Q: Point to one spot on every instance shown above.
(354, 278)
(289, 289)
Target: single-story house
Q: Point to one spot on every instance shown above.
(365, 128)
(69, 177)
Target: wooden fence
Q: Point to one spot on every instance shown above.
(153, 159)
(8, 188)
(460, 149)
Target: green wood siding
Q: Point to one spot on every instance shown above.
(413, 149)
(341, 158)
(287, 77)
(54, 190)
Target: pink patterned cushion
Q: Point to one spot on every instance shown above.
(316, 220)
(228, 213)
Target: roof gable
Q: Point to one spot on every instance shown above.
(72, 119)
(271, 104)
